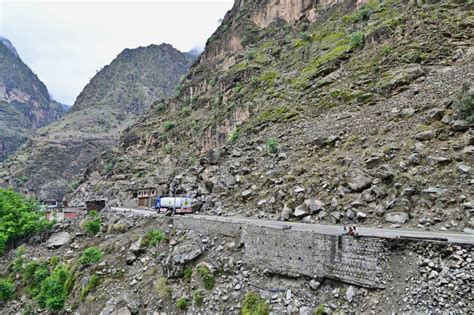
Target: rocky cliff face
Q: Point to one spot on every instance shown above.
(114, 98)
(336, 111)
(24, 101)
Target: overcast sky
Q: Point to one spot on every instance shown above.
(66, 41)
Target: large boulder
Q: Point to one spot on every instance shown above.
(397, 217)
(358, 180)
(58, 239)
(183, 253)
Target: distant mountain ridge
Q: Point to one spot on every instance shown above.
(25, 103)
(117, 95)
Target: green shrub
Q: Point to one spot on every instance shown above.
(162, 288)
(168, 125)
(91, 285)
(254, 304)
(168, 149)
(92, 226)
(152, 238)
(91, 255)
(53, 292)
(74, 184)
(185, 111)
(198, 298)
(19, 217)
(272, 145)
(54, 261)
(319, 310)
(234, 135)
(305, 36)
(188, 272)
(109, 167)
(182, 304)
(19, 259)
(206, 277)
(357, 39)
(363, 14)
(6, 290)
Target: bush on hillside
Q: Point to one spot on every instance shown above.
(91, 255)
(19, 217)
(254, 304)
(6, 290)
(93, 224)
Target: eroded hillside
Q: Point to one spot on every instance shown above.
(115, 97)
(24, 101)
(332, 112)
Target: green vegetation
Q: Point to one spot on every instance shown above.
(109, 167)
(272, 145)
(91, 285)
(277, 114)
(54, 261)
(168, 148)
(53, 294)
(48, 284)
(234, 135)
(198, 298)
(19, 217)
(357, 39)
(152, 238)
(74, 184)
(206, 276)
(254, 304)
(319, 310)
(168, 125)
(7, 290)
(465, 102)
(91, 255)
(93, 224)
(162, 288)
(182, 304)
(305, 36)
(185, 111)
(188, 272)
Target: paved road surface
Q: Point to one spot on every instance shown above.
(326, 229)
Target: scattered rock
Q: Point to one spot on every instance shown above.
(425, 135)
(397, 217)
(357, 180)
(58, 239)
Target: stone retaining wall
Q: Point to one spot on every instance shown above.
(361, 261)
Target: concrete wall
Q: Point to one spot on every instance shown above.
(360, 261)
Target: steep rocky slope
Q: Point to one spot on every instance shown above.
(340, 111)
(149, 265)
(24, 101)
(114, 98)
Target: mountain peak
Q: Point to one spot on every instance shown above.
(9, 45)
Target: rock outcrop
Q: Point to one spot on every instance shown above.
(25, 104)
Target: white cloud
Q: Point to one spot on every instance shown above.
(65, 42)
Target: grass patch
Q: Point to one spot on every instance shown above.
(272, 145)
(206, 276)
(254, 304)
(198, 298)
(91, 255)
(91, 285)
(162, 288)
(182, 304)
(152, 238)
